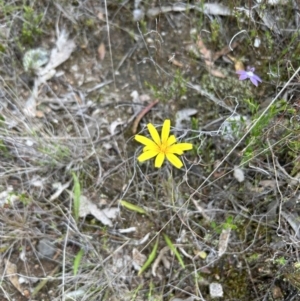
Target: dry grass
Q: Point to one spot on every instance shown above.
(243, 235)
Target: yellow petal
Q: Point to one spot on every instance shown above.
(174, 150)
(159, 160)
(154, 134)
(174, 160)
(184, 146)
(147, 155)
(165, 132)
(146, 141)
(156, 148)
(171, 140)
(179, 148)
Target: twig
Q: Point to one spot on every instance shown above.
(142, 114)
(109, 44)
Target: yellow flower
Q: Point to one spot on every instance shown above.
(162, 147)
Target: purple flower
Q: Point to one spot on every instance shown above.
(249, 74)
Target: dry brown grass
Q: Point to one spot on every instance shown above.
(79, 120)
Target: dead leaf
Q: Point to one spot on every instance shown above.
(269, 20)
(200, 254)
(216, 9)
(101, 16)
(39, 114)
(59, 190)
(31, 103)
(273, 2)
(223, 241)
(111, 212)
(269, 183)
(100, 215)
(184, 115)
(11, 273)
(113, 126)
(224, 51)
(103, 215)
(216, 73)
(201, 210)
(174, 61)
(206, 53)
(101, 51)
(293, 220)
(138, 259)
(75, 295)
(206, 8)
(238, 65)
(59, 54)
(219, 172)
(84, 209)
(158, 259)
(209, 58)
(128, 230)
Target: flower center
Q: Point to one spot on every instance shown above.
(163, 148)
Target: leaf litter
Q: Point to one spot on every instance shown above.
(206, 209)
(12, 273)
(59, 54)
(105, 215)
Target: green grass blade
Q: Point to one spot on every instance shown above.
(77, 261)
(76, 197)
(174, 250)
(150, 258)
(133, 207)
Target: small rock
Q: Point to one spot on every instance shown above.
(215, 290)
(46, 248)
(277, 293)
(138, 15)
(238, 174)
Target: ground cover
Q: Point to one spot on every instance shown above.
(90, 209)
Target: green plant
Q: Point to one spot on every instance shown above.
(173, 90)
(253, 258)
(76, 196)
(4, 151)
(7, 9)
(24, 199)
(31, 25)
(150, 259)
(281, 261)
(270, 40)
(77, 261)
(256, 142)
(215, 30)
(55, 153)
(200, 20)
(252, 105)
(228, 224)
(174, 250)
